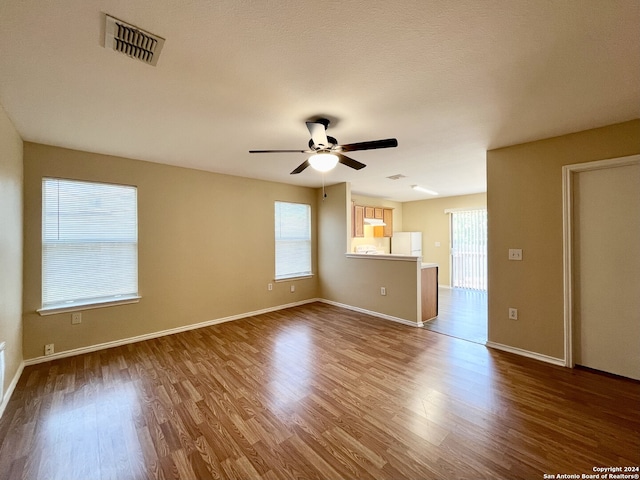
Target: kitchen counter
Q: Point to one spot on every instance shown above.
(383, 256)
(427, 281)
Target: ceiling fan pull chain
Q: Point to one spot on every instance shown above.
(324, 194)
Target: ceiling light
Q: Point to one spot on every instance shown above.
(425, 190)
(323, 162)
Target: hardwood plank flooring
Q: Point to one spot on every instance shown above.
(462, 314)
(314, 392)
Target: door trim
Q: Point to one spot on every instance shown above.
(568, 172)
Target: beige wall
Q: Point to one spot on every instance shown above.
(381, 243)
(524, 200)
(10, 248)
(206, 248)
(428, 217)
(357, 282)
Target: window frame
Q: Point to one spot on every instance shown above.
(309, 241)
(90, 303)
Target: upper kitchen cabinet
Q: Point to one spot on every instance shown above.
(358, 221)
(361, 213)
(387, 218)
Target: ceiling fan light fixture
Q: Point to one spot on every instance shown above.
(423, 190)
(323, 162)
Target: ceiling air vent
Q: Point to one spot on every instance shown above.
(396, 177)
(130, 40)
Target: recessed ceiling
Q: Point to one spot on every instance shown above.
(449, 79)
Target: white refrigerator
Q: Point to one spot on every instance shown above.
(407, 243)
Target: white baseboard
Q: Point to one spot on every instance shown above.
(526, 353)
(12, 387)
(372, 313)
(171, 331)
(161, 333)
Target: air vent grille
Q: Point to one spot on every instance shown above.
(132, 41)
(396, 177)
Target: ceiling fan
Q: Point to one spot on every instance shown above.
(325, 151)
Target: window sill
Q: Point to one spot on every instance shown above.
(74, 307)
(289, 279)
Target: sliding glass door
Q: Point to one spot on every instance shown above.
(469, 249)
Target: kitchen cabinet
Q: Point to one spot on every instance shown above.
(361, 212)
(358, 221)
(387, 217)
(369, 212)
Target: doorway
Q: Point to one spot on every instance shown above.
(463, 307)
(469, 249)
(602, 265)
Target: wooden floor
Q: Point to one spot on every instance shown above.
(462, 313)
(314, 392)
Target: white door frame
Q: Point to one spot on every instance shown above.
(567, 239)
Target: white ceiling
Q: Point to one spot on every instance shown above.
(449, 79)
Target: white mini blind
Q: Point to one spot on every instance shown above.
(293, 240)
(89, 243)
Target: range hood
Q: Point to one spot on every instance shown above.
(376, 222)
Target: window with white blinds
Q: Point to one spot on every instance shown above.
(89, 243)
(293, 240)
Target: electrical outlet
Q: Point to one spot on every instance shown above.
(515, 254)
(48, 349)
(293, 288)
(513, 314)
(383, 290)
(76, 317)
(270, 286)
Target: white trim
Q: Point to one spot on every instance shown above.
(11, 388)
(291, 279)
(463, 209)
(74, 307)
(171, 331)
(161, 333)
(567, 239)
(419, 291)
(526, 353)
(372, 313)
(567, 276)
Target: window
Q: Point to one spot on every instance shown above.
(89, 244)
(293, 240)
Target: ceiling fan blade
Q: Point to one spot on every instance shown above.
(281, 151)
(387, 143)
(318, 133)
(300, 167)
(349, 162)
